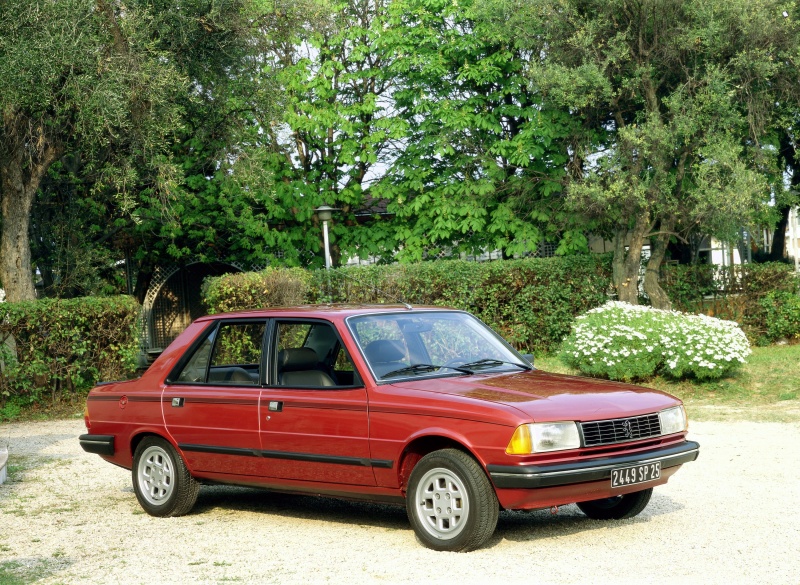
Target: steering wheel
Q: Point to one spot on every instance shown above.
(454, 362)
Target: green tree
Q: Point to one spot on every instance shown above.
(677, 103)
(332, 142)
(76, 72)
(221, 145)
(481, 163)
(149, 106)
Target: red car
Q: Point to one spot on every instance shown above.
(426, 407)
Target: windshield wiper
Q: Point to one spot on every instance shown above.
(422, 368)
(489, 363)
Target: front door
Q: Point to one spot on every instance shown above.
(313, 413)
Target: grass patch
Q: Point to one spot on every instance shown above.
(25, 571)
(19, 464)
(766, 388)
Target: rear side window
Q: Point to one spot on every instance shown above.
(229, 355)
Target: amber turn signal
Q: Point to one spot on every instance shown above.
(520, 443)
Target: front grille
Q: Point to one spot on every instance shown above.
(620, 430)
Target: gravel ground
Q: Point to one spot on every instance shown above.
(68, 517)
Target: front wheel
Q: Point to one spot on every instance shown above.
(451, 503)
(163, 484)
(617, 507)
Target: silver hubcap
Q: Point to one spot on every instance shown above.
(442, 503)
(156, 475)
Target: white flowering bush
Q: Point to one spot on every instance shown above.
(627, 342)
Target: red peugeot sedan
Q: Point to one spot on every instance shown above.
(425, 407)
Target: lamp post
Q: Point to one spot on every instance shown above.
(324, 213)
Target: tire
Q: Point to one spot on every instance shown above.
(163, 484)
(617, 507)
(451, 476)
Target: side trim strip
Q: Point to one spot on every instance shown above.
(286, 455)
(220, 450)
(117, 397)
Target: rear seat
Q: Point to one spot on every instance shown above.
(230, 375)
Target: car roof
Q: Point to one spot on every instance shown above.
(338, 310)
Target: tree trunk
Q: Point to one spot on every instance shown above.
(627, 264)
(21, 172)
(778, 249)
(15, 251)
(788, 152)
(658, 298)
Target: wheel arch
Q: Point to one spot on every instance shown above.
(139, 436)
(420, 446)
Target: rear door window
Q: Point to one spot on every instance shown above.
(231, 354)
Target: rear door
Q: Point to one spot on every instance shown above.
(211, 400)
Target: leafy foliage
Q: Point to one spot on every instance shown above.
(328, 146)
(225, 203)
(85, 77)
(252, 290)
(65, 346)
(626, 342)
(143, 124)
(531, 302)
(732, 292)
(482, 158)
(780, 313)
(678, 101)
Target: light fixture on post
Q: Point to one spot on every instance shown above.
(325, 213)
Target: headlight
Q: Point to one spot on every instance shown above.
(673, 420)
(543, 437)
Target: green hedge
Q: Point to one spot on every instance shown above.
(531, 302)
(736, 293)
(61, 347)
(780, 313)
(252, 290)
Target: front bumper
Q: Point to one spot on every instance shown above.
(99, 444)
(540, 476)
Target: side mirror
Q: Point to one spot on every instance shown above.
(528, 357)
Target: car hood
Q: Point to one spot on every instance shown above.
(549, 397)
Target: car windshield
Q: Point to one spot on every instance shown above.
(439, 343)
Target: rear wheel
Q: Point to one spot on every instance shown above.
(163, 484)
(617, 507)
(451, 503)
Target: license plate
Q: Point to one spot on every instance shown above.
(636, 474)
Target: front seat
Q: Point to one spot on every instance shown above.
(297, 367)
(385, 355)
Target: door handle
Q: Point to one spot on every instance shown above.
(275, 406)
(177, 402)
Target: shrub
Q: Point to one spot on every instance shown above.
(781, 317)
(626, 342)
(65, 346)
(729, 292)
(253, 290)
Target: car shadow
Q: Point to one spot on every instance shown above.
(517, 526)
(520, 526)
(301, 506)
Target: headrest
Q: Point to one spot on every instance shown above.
(300, 358)
(384, 350)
